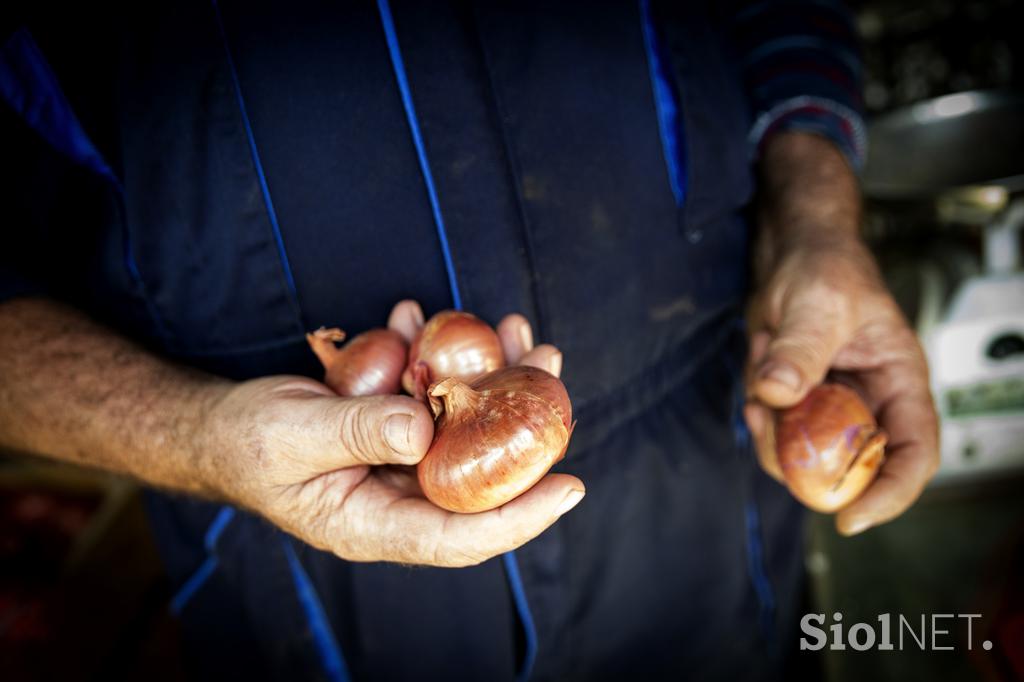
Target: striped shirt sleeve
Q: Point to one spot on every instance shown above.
(802, 71)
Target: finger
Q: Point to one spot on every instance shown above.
(812, 330)
(755, 355)
(477, 537)
(334, 433)
(402, 478)
(912, 458)
(544, 356)
(516, 337)
(406, 318)
(418, 532)
(760, 422)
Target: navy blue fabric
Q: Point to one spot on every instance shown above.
(540, 126)
(341, 108)
(30, 88)
(402, 78)
(515, 582)
(282, 253)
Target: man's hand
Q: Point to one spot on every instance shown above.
(336, 472)
(822, 307)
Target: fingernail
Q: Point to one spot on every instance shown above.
(417, 313)
(781, 373)
(555, 364)
(857, 526)
(570, 501)
(396, 432)
(526, 337)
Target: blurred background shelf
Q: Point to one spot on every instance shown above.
(82, 592)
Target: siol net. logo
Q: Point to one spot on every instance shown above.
(935, 632)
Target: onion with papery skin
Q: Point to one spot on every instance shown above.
(829, 447)
(369, 364)
(494, 438)
(451, 344)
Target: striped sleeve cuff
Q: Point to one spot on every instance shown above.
(825, 117)
(802, 71)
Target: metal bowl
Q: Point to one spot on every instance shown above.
(968, 138)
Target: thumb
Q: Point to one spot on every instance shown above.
(801, 351)
(386, 429)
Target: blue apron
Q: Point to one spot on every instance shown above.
(264, 169)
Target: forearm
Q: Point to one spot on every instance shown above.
(73, 390)
(808, 197)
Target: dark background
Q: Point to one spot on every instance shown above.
(918, 50)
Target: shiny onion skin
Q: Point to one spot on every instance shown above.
(369, 364)
(494, 438)
(451, 344)
(829, 447)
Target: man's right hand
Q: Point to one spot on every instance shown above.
(338, 472)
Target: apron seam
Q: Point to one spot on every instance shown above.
(515, 172)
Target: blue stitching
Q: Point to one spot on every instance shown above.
(206, 569)
(264, 188)
(191, 586)
(417, 138)
(515, 581)
(756, 571)
(667, 107)
(323, 636)
(755, 568)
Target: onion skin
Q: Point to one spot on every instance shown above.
(451, 344)
(829, 447)
(494, 438)
(369, 364)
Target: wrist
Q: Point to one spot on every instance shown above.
(233, 429)
(808, 201)
(201, 436)
(807, 185)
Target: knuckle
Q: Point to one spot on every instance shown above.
(406, 543)
(345, 548)
(458, 556)
(347, 544)
(349, 551)
(515, 532)
(806, 348)
(455, 550)
(357, 432)
(829, 295)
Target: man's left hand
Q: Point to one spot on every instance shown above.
(822, 307)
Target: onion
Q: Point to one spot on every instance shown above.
(494, 438)
(829, 447)
(369, 364)
(451, 344)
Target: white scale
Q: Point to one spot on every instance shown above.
(976, 355)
